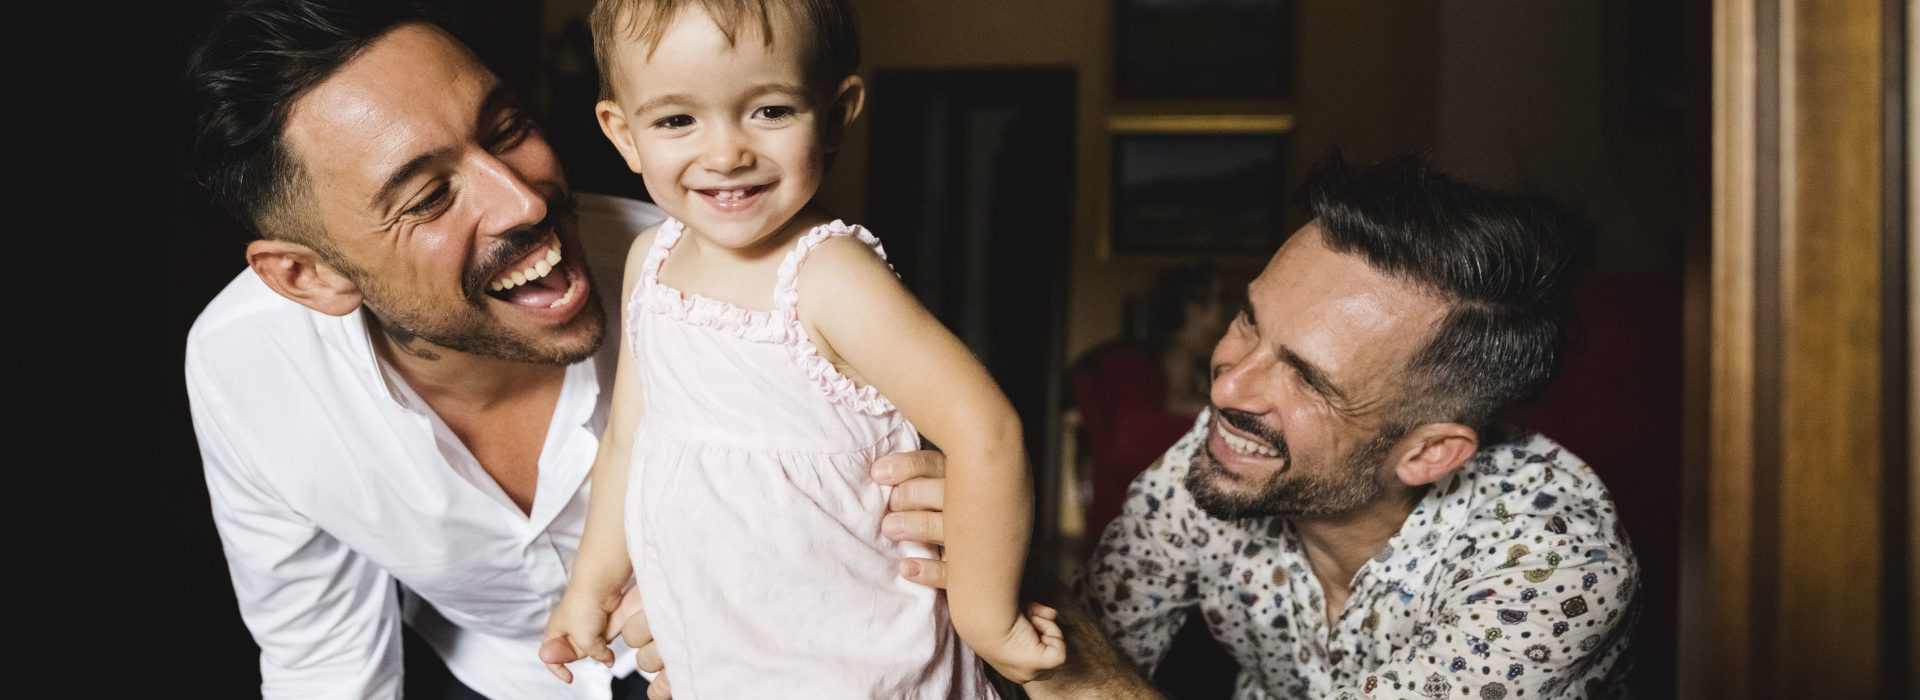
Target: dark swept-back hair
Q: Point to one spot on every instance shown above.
(241, 81)
(1502, 263)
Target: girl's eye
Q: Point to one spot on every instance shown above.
(677, 121)
(773, 113)
(432, 199)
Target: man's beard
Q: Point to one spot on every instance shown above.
(469, 328)
(1302, 488)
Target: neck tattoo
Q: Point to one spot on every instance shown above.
(403, 339)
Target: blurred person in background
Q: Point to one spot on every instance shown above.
(1139, 394)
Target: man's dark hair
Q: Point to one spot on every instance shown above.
(1501, 262)
(241, 81)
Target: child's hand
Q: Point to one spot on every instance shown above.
(577, 629)
(1032, 648)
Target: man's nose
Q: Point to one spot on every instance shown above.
(726, 150)
(507, 199)
(1241, 381)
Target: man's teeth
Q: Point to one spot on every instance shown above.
(537, 270)
(1245, 446)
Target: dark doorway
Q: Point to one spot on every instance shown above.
(972, 186)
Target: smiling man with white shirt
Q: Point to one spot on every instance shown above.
(403, 388)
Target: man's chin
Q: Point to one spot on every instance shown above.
(1223, 494)
(495, 337)
(574, 340)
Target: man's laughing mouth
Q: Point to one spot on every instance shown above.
(1244, 448)
(542, 279)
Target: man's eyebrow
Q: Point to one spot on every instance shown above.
(498, 97)
(1313, 376)
(405, 172)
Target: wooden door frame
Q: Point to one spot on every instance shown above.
(1800, 527)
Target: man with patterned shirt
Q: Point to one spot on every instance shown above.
(1347, 516)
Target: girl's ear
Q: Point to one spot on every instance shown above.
(848, 101)
(613, 124)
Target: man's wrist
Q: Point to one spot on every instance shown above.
(1077, 684)
(1095, 668)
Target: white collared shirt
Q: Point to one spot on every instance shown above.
(330, 480)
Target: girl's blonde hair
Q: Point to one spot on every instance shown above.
(828, 25)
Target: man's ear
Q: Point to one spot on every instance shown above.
(298, 273)
(613, 124)
(848, 101)
(1432, 451)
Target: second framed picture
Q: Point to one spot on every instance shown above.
(1198, 192)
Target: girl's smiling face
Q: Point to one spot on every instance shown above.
(730, 137)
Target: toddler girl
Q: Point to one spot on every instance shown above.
(774, 356)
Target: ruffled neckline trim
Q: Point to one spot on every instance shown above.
(779, 325)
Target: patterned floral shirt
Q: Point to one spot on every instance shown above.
(1511, 579)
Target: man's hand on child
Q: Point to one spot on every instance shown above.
(919, 484)
(631, 620)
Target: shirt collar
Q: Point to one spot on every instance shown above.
(356, 340)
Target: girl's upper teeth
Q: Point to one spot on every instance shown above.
(540, 267)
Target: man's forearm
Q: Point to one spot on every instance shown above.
(1095, 669)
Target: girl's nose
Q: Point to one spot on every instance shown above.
(726, 152)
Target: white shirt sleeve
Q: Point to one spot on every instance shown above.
(327, 620)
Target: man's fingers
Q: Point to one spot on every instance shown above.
(636, 631)
(561, 673)
(648, 658)
(629, 604)
(919, 494)
(658, 690)
(922, 526)
(926, 572)
(901, 467)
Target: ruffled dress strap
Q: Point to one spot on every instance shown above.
(837, 387)
(668, 234)
(649, 295)
(644, 293)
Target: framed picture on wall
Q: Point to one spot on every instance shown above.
(1203, 49)
(1198, 191)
